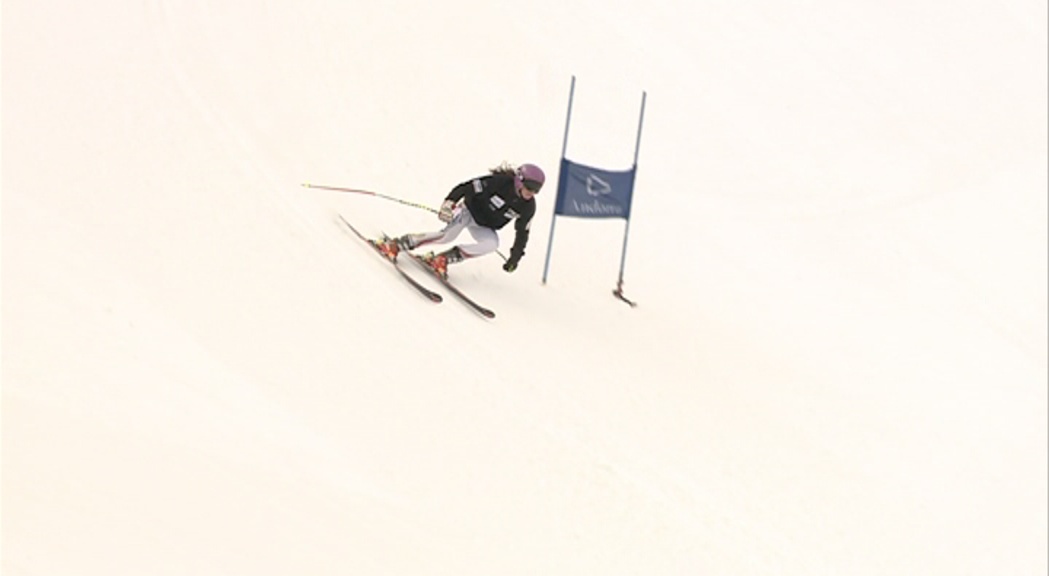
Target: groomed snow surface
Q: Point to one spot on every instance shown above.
(838, 245)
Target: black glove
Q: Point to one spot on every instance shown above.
(511, 264)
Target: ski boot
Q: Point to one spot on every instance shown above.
(439, 263)
(391, 247)
(388, 247)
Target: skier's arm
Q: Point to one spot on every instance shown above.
(521, 228)
(465, 190)
(520, 240)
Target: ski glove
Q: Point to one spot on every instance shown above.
(511, 263)
(445, 213)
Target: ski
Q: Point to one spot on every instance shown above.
(487, 313)
(433, 296)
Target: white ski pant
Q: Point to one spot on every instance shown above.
(485, 239)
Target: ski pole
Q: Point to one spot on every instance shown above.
(370, 193)
(383, 196)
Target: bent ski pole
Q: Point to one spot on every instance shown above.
(383, 196)
(370, 193)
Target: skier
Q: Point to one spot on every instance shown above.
(490, 202)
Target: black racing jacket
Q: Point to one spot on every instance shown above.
(493, 202)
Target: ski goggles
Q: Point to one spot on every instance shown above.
(533, 186)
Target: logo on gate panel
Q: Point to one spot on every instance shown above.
(595, 186)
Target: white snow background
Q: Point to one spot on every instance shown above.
(838, 363)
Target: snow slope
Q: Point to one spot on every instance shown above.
(838, 364)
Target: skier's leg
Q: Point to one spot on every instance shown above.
(486, 241)
(450, 232)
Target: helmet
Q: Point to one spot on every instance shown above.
(529, 176)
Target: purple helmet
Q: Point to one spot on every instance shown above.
(529, 176)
